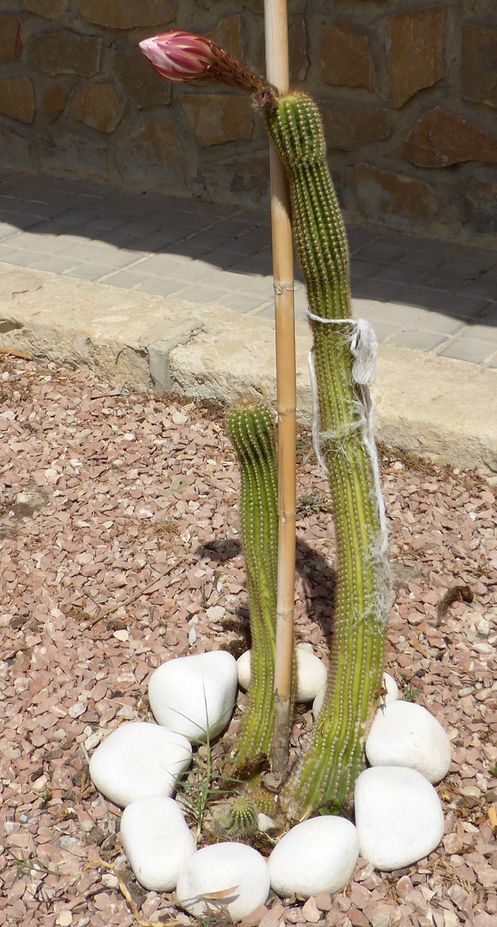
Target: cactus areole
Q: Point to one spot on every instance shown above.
(342, 367)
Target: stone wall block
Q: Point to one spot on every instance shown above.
(349, 126)
(159, 144)
(65, 52)
(479, 64)
(57, 154)
(15, 151)
(255, 6)
(396, 197)
(415, 51)
(480, 206)
(17, 99)
(49, 9)
(54, 101)
(346, 59)
(99, 107)
(244, 177)
(126, 14)
(218, 118)
(10, 38)
(441, 138)
(228, 35)
(139, 82)
(298, 43)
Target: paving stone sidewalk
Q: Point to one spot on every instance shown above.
(430, 296)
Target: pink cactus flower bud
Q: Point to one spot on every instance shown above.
(182, 56)
(179, 56)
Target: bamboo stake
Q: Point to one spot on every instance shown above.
(276, 29)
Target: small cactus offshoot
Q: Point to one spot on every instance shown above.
(242, 817)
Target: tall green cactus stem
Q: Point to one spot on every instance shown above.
(251, 429)
(342, 355)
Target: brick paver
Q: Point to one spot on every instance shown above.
(430, 296)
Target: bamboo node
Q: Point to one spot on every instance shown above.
(280, 288)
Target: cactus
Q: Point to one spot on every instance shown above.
(242, 820)
(342, 368)
(251, 429)
(342, 356)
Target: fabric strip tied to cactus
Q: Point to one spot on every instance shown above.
(364, 346)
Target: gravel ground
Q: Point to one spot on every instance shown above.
(119, 550)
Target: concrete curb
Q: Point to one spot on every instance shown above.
(440, 409)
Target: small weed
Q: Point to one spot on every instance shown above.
(33, 866)
(337, 809)
(166, 529)
(312, 503)
(410, 694)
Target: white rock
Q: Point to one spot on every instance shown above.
(391, 695)
(191, 694)
(139, 760)
(318, 855)
(398, 816)
(215, 612)
(157, 842)
(392, 690)
(243, 669)
(483, 627)
(265, 823)
(483, 648)
(311, 673)
(64, 919)
(405, 734)
(223, 877)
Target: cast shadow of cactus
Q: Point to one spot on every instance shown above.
(315, 570)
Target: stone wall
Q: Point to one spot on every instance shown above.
(408, 91)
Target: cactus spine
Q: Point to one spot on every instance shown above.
(327, 771)
(251, 429)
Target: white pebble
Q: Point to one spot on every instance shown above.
(191, 694)
(405, 734)
(392, 689)
(311, 673)
(398, 816)
(64, 919)
(139, 760)
(483, 648)
(215, 612)
(157, 842)
(179, 418)
(93, 740)
(483, 627)
(315, 856)
(228, 877)
(121, 635)
(391, 695)
(265, 823)
(109, 880)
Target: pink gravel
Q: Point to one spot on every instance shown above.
(118, 527)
